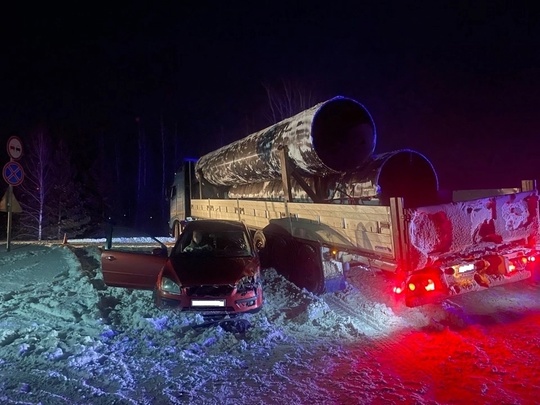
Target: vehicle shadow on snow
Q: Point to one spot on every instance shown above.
(458, 318)
(89, 264)
(235, 325)
(90, 267)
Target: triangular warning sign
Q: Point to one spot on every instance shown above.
(15, 206)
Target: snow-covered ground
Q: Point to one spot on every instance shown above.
(66, 338)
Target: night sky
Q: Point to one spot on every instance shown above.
(458, 81)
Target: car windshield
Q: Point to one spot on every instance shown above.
(224, 243)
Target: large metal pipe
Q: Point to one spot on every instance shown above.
(401, 173)
(332, 137)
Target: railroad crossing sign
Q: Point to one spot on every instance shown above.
(14, 147)
(13, 173)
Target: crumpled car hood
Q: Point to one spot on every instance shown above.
(213, 270)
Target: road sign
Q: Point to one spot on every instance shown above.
(14, 147)
(12, 205)
(13, 173)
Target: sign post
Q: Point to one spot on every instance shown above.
(9, 217)
(13, 175)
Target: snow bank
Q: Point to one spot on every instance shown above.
(66, 338)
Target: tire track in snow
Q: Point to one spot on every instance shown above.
(342, 308)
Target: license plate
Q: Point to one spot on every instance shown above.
(207, 303)
(465, 268)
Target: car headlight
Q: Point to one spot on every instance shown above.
(247, 283)
(169, 286)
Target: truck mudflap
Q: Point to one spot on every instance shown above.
(432, 285)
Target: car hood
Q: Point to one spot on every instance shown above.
(213, 270)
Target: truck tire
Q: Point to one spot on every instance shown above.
(307, 271)
(279, 256)
(259, 240)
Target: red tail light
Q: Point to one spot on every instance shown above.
(420, 285)
(423, 286)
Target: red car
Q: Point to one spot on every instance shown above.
(214, 267)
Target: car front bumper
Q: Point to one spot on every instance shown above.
(250, 301)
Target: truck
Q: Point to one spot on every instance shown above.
(319, 200)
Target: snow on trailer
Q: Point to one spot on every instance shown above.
(325, 201)
(469, 245)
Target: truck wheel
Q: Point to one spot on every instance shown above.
(259, 240)
(280, 258)
(308, 275)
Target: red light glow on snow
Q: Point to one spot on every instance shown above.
(478, 363)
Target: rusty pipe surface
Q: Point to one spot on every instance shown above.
(332, 137)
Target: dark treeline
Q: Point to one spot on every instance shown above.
(75, 182)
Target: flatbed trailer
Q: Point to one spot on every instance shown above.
(381, 211)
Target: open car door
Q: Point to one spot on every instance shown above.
(131, 269)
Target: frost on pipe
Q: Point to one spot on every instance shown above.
(402, 173)
(331, 137)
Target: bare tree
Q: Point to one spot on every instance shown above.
(287, 100)
(36, 186)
